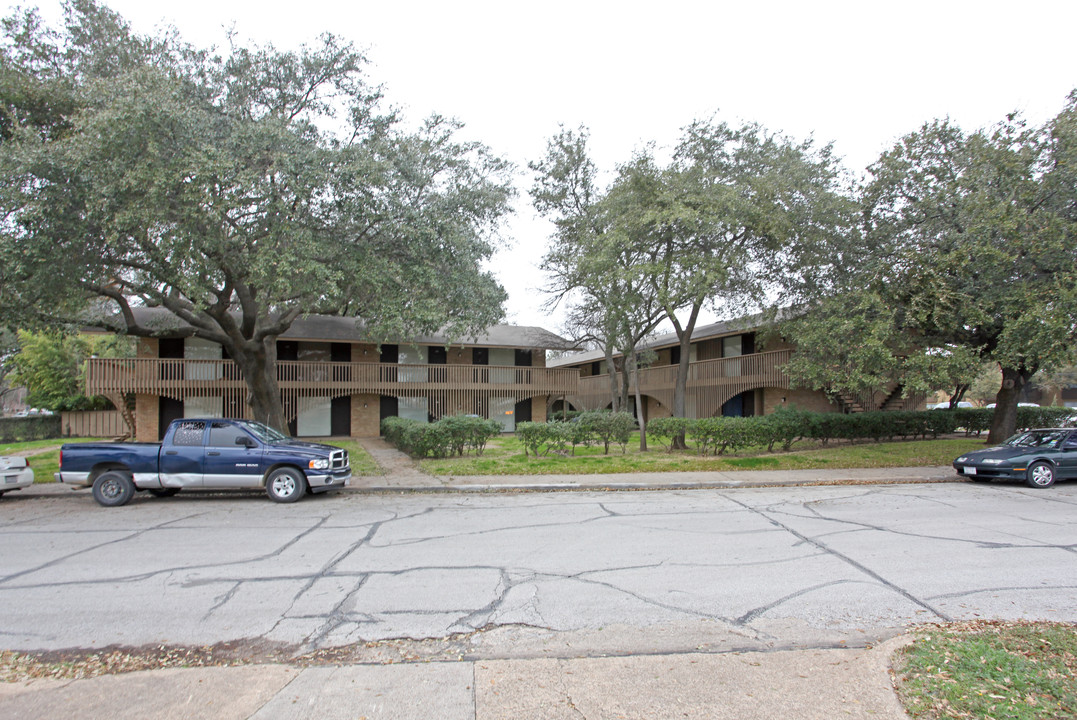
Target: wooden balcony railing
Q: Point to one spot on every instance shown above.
(185, 378)
(710, 382)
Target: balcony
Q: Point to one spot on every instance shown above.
(182, 378)
(710, 382)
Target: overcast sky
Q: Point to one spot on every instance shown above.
(858, 74)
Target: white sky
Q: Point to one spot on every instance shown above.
(859, 74)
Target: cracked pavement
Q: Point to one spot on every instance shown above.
(537, 574)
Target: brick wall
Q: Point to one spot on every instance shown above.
(146, 418)
(458, 356)
(366, 415)
(812, 400)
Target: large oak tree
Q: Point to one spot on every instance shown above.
(969, 255)
(235, 190)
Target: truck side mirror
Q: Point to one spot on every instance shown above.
(245, 441)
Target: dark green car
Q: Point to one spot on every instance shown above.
(1039, 457)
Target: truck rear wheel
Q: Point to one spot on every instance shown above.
(285, 485)
(113, 488)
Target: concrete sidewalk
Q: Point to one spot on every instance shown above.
(802, 684)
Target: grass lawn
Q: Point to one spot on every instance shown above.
(1021, 671)
(43, 456)
(361, 461)
(505, 456)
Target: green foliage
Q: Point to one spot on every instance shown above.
(967, 256)
(736, 208)
(608, 427)
(667, 429)
(233, 191)
(51, 365)
(597, 427)
(452, 435)
(42, 427)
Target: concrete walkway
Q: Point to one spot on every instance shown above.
(803, 684)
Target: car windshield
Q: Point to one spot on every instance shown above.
(1037, 438)
(263, 432)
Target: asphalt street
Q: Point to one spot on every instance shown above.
(535, 574)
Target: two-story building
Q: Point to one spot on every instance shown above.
(732, 371)
(335, 383)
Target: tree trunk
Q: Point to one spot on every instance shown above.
(259, 366)
(1004, 420)
(680, 389)
(639, 406)
(611, 370)
(959, 395)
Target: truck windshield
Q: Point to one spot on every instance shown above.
(263, 432)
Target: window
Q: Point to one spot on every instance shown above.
(189, 433)
(223, 434)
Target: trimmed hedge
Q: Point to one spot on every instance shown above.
(595, 427)
(455, 435)
(785, 426)
(24, 429)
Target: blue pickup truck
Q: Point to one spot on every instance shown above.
(208, 454)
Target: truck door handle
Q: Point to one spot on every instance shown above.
(213, 453)
(170, 452)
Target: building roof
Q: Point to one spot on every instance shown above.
(703, 332)
(331, 328)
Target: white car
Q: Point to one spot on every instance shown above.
(15, 473)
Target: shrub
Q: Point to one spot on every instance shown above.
(785, 426)
(453, 435)
(533, 435)
(666, 428)
(41, 427)
(607, 427)
(426, 440)
(564, 415)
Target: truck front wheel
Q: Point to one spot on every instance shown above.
(113, 488)
(285, 485)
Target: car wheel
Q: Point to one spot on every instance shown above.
(163, 492)
(113, 488)
(285, 485)
(1040, 475)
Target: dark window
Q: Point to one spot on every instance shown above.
(747, 343)
(435, 355)
(480, 356)
(340, 352)
(390, 354)
(287, 350)
(596, 367)
(675, 355)
(170, 348)
(222, 434)
(189, 433)
(523, 358)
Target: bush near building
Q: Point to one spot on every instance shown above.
(596, 427)
(718, 435)
(454, 435)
